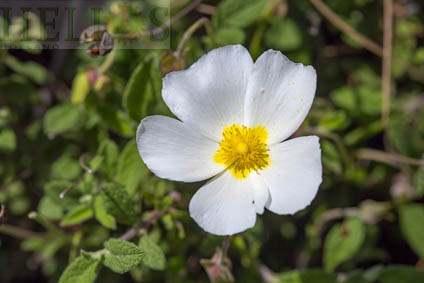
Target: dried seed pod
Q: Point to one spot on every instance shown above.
(101, 39)
(169, 63)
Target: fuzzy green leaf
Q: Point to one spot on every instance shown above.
(153, 254)
(83, 269)
(118, 203)
(284, 35)
(130, 167)
(310, 276)
(238, 13)
(7, 140)
(401, 274)
(139, 91)
(48, 208)
(101, 215)
(61, 118)
(411, 223)
(342, 242)
(77, 215)
(123, 255)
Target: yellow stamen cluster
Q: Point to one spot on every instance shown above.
(243, 150)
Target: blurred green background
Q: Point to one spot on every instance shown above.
(68, 120)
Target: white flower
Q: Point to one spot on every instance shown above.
(235, 115)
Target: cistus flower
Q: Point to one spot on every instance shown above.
(234, 116)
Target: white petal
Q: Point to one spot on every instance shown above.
(224, 206)
(173, 151)
(294, 174)
(210, 95)
(279, 95)
(260, 192)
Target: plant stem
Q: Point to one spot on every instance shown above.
(193, 5)
(108, 62)
(346, 28)
(225, 245)
(16, 232)
(156, 214)
(392, 159)
(387, 61)
(187, 35)
(169, 23)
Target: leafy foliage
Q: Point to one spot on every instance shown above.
(75, 197)
(343, 242)
(84, 269)
(123, 255)
(153, 254)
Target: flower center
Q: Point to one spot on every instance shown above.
(243, 150)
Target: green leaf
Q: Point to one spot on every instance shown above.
(48, 208)
(356, 277)
(77, 215)
(227, 36)
(108, 151)
(116, 119)
(118, 203)
(360, 134)
(238, 13)
(83, 269)
(101, 215)
(345, 98)
(331, 157)
(411, 223)
(53, 190)
(420, 181)
(32, 70)
(140, 91)
(130, 167)
(7, 140)
(334, 120)
(405, 139)
(66, 168)
(61, 118)
(284, 35)
(153, 254)
(343, 242)
(123, 255)
(369, 100)
(95, 163)
(401, 274)
(80, 87)
(309, 276)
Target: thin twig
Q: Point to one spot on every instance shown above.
(346, 28)
(16, 232)
(68, 189)
(387, 61)
(225, 245)
(187, 35)
(169, 23)
(392, 159)
(333, 214)
(206, 9)
(193, 5)
(110, 58)
(83, 165)
(156, 214)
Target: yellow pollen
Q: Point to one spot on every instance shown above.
(243, 150)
